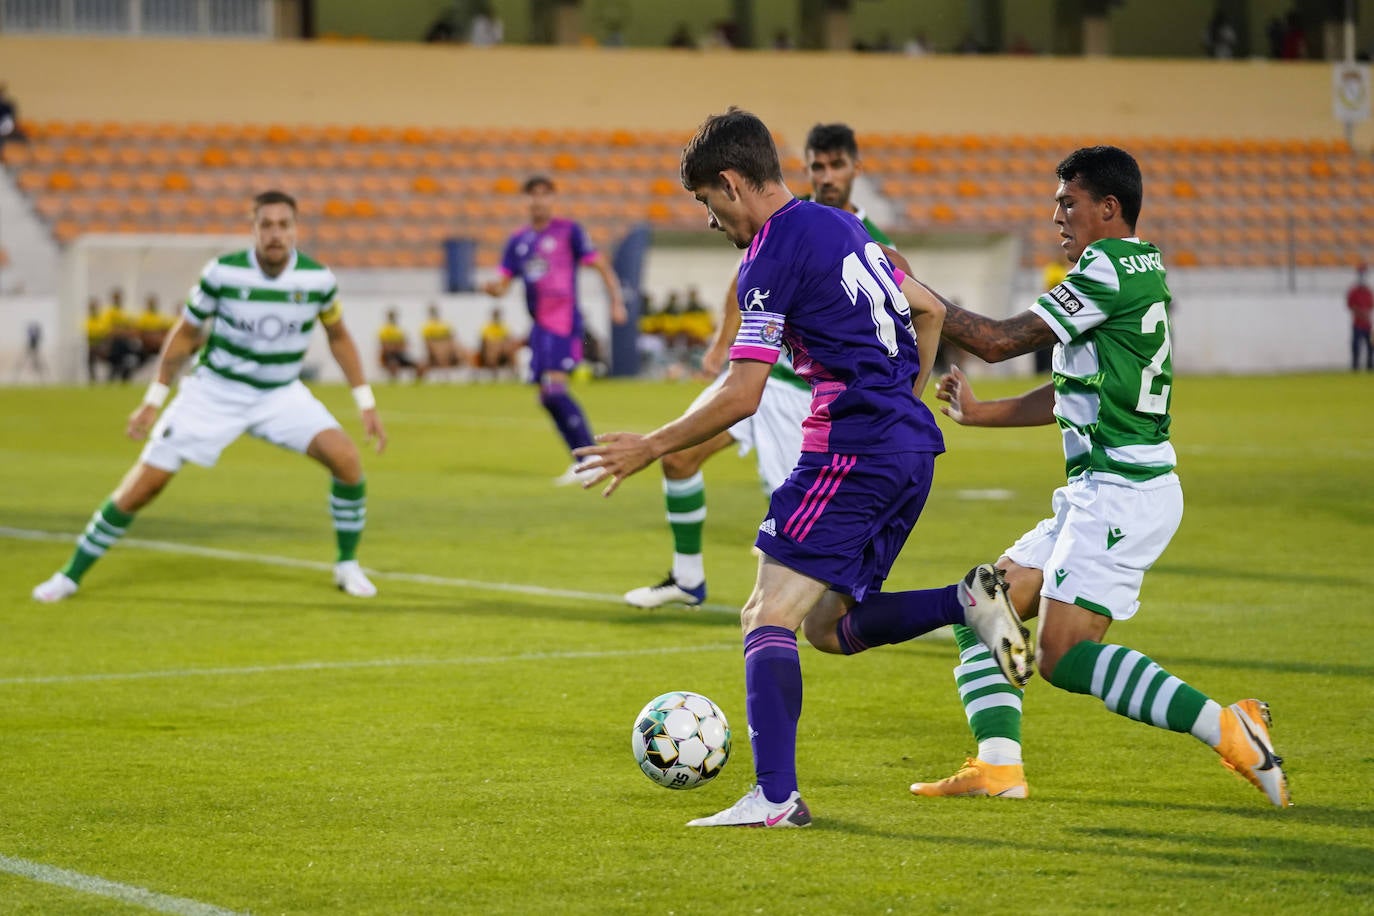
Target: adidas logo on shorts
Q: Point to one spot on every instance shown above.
(769, 527)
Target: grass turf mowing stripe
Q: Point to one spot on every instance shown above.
(236, 556)
(363, 663)
(100, 887)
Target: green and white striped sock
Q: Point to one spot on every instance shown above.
(106, 526)
(1132, 685)
(991, 703)
(686, 501)
(348, 506)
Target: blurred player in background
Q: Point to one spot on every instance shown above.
(819, 286)
(251, 316)
(1108, 322)
(774, 431)
(546, 255)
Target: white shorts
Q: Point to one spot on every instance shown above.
(207, 415)
(774, 432)
(1103, 536)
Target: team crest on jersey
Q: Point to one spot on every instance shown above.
(535, 269)
(243, 294)
(547, 244)
(298, 296)
(771, 333)
(1067, 299)
(756, 298)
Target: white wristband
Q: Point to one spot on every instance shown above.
(156, 394)
(364, 398)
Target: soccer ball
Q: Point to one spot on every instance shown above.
(681, 740)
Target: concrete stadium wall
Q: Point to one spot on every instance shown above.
(404, 84)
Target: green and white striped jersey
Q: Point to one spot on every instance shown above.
(259, 326)
(1113, 368)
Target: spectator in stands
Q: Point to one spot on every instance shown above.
(1273, 34)
(486, 29)
(126, 347)
(782, 41)
(681, 37)
(392, 341)
(152, 329)
(917, 45)
(442, 349)
(496, 350)
(968, 45)
(1221, 38)
(1294, 46)
(1021, 45)
(10, 131)
(1360, 301)
(97, 338)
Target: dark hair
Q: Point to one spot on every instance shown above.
(273, 197)
(736, 140)
(1106, 171)
(538, 181)
(825, 138)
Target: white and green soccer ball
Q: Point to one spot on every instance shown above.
(681, 740)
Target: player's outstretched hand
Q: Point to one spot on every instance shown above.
(141, 420)
(616, 456)
(958, 393)
(372, 426)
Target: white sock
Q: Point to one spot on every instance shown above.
(1000, 752)
(1207, 728)
(689, 569)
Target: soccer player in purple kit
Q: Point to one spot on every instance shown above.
(546, 255)
(813, 282)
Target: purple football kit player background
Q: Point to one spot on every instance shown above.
(546, 255)
(547, 261)
(868, 435)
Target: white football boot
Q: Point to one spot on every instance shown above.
(54, 589)
(349, 577)
(753, 810)
(989, 612)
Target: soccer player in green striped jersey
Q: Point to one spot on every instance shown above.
(250, 317)
(773, 433)
(1082, 568)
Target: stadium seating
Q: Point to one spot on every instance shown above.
(384, 196)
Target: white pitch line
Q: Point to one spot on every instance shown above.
(365, 663)
(100, 887)
(236, 556)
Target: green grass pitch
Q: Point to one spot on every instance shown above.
(235, 735)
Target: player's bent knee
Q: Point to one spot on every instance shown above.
(820, 633)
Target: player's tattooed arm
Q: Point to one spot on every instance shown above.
(993, 340)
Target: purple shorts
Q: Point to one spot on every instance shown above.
(843, 519)
(550, 352)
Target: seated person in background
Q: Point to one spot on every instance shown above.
(442, 350)
(126, 347)
(497, 349)
(393, 354)
(97, 337)
(696, 322)
(152, 329)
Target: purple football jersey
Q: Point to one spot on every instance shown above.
(547, 260)
(815, 283)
